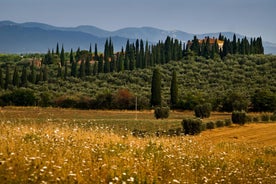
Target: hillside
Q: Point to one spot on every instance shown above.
(37, 37)
(219, 82)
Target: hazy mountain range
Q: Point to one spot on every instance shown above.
(37, 37)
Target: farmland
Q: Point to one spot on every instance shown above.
(51, 145)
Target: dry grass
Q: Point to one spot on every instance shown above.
(44, 146)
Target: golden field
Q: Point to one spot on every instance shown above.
(50, 145)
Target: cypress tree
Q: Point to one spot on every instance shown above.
(62, 57)
(132, 62)
(1, 79)
(195, 47)
(142, 54)
(57, 49)
(32, 77)
(100, 64)
(174, 90)
(95, 68)
(65, 70)
(234, 44)
(74, 69)
(121, 61)
(106, 66)
(7, 78)
(71, 57)
(40, 76)
(156, 88)
(87, 67)
(15, 79)
(96, 57)
(90, 49)
(147, 55)
(137, 54)
(82, 70)
(77, 57)
(24, 77)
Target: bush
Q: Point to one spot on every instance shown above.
(239, 117)
(192, 126)
(203, 111)
(265, 117)
(255, 119)
(210, 125)
(220, 123)
(22, 97)
(228, 122)
(248, 119)
(161, 112)
(273, 117)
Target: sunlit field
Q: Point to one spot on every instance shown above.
(52, 145)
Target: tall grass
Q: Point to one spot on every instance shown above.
(58, 153)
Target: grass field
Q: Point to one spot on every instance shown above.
(72, 146)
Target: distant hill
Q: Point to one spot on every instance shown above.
(38, 37)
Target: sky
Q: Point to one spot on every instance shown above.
(248, 17)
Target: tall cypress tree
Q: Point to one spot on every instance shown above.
(90, 49)
(87, 67)
(156, 88)
(15, 79)
(1, 79)
(65, 70)
(100, 64)
(95, 68)
(96, 57)
(32, 77)
(24, 77)
(174, 90)
(82, 70)
(62, 56)
(234, 44)
(71, 56)
(7, 78)
(74, 69)
(57, 49)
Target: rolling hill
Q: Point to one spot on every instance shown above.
(38, 37)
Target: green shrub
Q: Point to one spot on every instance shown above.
(203, 126)
(192, 126)
(220, 123)
(256, 119)
(23, 97)
(161, 112)
(249, 119)
(273, 116)
(210, 125)
(228, 122)
(265, 117)
(203, 111)
(239, 117)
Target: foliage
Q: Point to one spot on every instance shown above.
(156, 88)
(273, 116)
(192, 126)
(203, 111)
(220, 123)
(239, 117)
(19, 97)
(210, 125)
(161, 112)
(174, 90)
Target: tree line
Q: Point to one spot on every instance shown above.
(235, 46)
